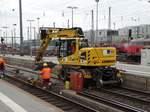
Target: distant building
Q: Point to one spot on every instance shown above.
(122, 34)
(33, 45)
(103, 36)
(141, 31)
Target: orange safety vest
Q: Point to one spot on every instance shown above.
(2, 61)
(73, 48)
(46, 73)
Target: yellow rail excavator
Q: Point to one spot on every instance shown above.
(74, 54)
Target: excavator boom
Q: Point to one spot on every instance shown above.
(47, 34)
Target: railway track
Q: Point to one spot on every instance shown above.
(68, 105)
(125, 99)
(22, 74)
(124, 59)
(137, 95)
(113, 103)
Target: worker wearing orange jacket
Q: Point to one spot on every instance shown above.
(73, 48)
(2, 67)
(46, 75)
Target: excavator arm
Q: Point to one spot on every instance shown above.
(44, 44)
(47, 34)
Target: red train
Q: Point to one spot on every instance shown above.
(133, 48)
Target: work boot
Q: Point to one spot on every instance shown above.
(49, 84)
(44, 87)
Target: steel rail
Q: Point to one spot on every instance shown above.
(27, 70)
(62, 102)
(112, 103)
(139, 91)
(31, 71)
(137, 96)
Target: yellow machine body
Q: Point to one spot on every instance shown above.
(91, 57)
(83, 56)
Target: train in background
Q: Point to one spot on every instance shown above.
(132, 49)
(128, 40)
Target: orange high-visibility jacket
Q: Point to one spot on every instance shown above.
(2, 61)
(73, 49)
(46, 73)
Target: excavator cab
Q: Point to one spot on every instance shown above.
(67, 47)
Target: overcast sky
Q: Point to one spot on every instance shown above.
(124, 13)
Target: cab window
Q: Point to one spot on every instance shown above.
(67, 47)
(83, 43)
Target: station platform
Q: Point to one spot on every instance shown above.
(135, 69)
(32, 58)
(13, 99)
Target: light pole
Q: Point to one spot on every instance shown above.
(21, 28)
(38, 30)
(34, 40)
(38, 34)
(68, 23)
(30, 21)
(0, 33)
(114, 23)
(96, 20)
(54, 24)
(14, 40)
(72, 8)
(5, 40)
(38, 20)
(92, 29)
(5, 27)
(136, 26)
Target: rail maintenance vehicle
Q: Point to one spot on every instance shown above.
(94, 63)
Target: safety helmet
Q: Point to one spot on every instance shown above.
(45, 64)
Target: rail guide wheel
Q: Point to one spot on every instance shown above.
(99, 84)
(120, 81)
